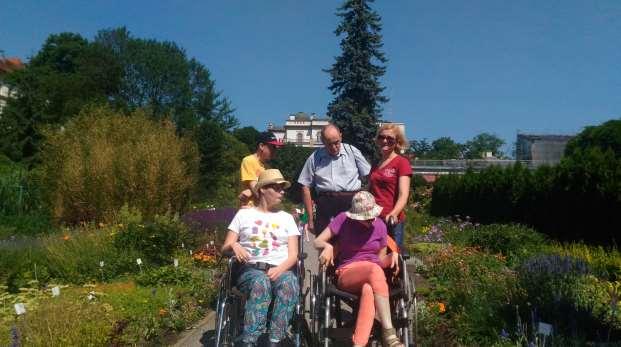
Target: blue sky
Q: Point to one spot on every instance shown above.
(456, 68)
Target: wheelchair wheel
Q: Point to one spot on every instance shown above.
(228, 324)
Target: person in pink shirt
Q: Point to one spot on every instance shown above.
(362, 255)
(389, 180)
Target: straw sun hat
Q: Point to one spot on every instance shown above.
(271, 176)
(363, 207)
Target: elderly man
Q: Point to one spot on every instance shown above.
(252, 165)
(335, 172)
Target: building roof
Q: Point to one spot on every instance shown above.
(10, 64)
(534, 137)
(303, 116)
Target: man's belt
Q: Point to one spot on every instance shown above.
(337, 194)
(260, 266)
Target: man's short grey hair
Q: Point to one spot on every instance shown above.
(326, 127)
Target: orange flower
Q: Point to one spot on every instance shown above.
(441, 307)
(162, 312)
(66, 237)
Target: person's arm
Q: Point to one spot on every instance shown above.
(231, 244)
(361, 162)
(388, 260)
(308, 205)
(404, 193)
(292, 258)
(321, 242)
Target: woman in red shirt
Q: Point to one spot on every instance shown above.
(390, 179)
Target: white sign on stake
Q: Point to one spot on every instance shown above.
(20, 308)
(545, 329)
(211, 242)
(182, 245)
(56, 291)
(139, 261)
(176, 262)
(190, 252)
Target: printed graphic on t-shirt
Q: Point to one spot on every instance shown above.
(264, 239)
(390, 172)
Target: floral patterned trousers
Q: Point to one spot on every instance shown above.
(259, 291)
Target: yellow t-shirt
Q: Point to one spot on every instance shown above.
(251, 168)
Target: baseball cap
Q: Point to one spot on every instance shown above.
(268, 138)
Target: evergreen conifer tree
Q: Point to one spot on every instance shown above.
(356, 108)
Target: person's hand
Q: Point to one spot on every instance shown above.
(241, 253)
(394, 262)
(310, 225)
(327, 256)
(306, 231)
(391, 219)
(274, 272)
(244, 196)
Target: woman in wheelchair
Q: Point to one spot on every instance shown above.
(265, 240)
(362, 255)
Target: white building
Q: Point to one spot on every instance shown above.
(304, 130)
(7, 65)
(301, 129)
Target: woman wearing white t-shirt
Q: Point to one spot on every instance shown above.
(265, 239)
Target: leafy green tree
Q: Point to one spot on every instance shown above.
(355, 75)
(221, 154)
(64, 76)
(247, 135)
(445, 148)
(484, 142)
(158, 77)
(604, 136)
(421, 149)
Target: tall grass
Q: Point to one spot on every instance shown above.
(103, 160)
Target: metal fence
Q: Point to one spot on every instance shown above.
(423, 166)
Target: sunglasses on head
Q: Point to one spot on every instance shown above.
(388, 139)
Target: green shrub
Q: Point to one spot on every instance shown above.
(165, 275)
(561, 290)
(102, 160)
(578, 199)
(516, 242)
(156, 241)
(475, 287)
(29, 224)
(18, 193)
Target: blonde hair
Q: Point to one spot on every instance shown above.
(402, 142)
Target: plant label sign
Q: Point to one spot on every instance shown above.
(56, 291)
(190, 252)
(139, 261)
(545, 329)
(20, 309)
(176, 262)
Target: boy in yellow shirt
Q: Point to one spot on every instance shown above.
(252, 165)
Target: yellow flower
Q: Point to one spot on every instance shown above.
(66, 237)
(162, 312)
(441, 307)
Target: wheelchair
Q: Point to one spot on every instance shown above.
(230, 305)
(331, 327)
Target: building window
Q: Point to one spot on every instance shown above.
(300, 138)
